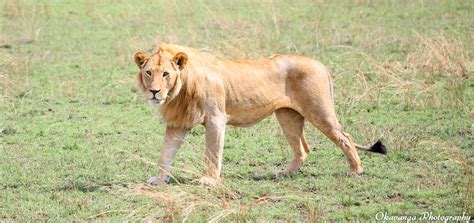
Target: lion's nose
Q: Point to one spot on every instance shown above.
(154, 92)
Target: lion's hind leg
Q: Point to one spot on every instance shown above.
(292, 124)
(329, 126)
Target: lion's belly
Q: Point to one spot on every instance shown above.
(247, 119)
(250, 115)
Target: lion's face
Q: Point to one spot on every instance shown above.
(160, 75)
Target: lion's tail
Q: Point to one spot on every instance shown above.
(378, 147)
(330, 85)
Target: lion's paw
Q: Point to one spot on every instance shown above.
(356, 173)
(281, 174)
(158, 180)
(285, 173)
(208, 181)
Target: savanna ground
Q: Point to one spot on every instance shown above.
(77, 142)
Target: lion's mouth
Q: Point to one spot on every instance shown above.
(155, 101)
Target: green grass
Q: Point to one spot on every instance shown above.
(77, 142)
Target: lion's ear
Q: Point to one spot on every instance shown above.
(180, 59)
(140, 58)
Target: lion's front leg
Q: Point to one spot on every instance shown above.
(215, 131)
(172, 142)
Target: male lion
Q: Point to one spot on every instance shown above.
(193, 87)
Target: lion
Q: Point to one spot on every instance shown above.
(191, 87)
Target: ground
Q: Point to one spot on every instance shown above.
(77, 142)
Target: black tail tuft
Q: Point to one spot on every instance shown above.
(378, 147)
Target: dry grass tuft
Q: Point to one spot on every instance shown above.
(12, 8)
(70, 88)
(439, 56)
(11, 74)
(414, 79)
(25, 17)
(181, 203)
(432, 57)
(188, 202)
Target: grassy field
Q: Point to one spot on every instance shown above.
(77, 142)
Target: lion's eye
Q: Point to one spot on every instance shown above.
(165, 74)
(148, 72)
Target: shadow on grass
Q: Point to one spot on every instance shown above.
(85, 188)
(180, 180)
(267, 176)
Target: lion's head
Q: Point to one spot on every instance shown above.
(159, 77)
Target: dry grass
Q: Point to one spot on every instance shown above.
(14, 70)
(414, 79)
(12, 75)
(12, 8)
(439, 56)
(25, 16)
(415, 76)
(184, 202)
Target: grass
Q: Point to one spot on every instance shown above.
(77, 142)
